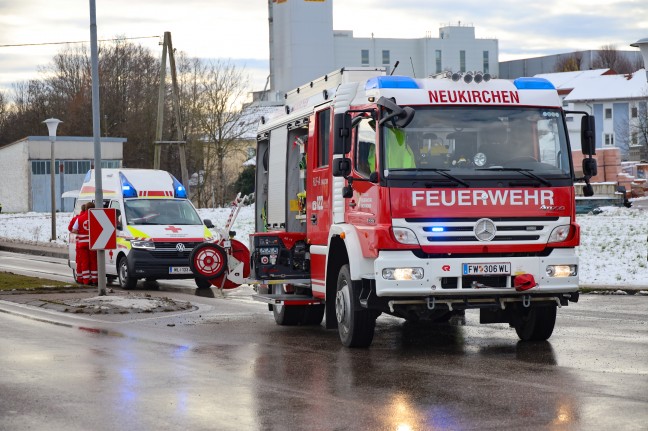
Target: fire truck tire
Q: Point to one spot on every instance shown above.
(125, 281)
(535, 323)
(356, 326)
(287, 315)
(313, 315)
(208, 260)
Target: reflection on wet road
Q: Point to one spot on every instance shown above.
(242, 372)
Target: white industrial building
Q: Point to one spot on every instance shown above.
(25, 179)
(304, 46)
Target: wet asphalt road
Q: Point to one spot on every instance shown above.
(227, 366)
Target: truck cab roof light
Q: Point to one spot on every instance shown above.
(401, 82)
(128, 191)
(178, 189)
(533, 84)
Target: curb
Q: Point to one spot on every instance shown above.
(42, 250)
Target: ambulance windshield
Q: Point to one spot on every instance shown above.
(467, 141)
(160, 212)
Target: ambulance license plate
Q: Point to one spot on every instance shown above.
(179, 270)
(501, 268)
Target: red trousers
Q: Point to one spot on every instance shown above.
(92, 266)
(82, 265)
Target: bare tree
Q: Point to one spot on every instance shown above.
(221, 89)
(569, 62)
(609, 57)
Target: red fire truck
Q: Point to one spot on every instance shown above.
(419, 198)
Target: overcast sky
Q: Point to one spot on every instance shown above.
(238, 29)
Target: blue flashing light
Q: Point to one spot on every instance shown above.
(403, 82)
(533, 84)
(128, 191)
(438, 229)
(87, 177)
(178, 189)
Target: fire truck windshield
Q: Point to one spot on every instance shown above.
(478, 141)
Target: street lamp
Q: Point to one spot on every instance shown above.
(642, 44)
(52, 124)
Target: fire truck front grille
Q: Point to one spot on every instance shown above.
(510, 230)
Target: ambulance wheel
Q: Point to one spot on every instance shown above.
(290, 315)
(202, 283)
(356, 326)
(535, 323)
(125, 282)
(208, 260)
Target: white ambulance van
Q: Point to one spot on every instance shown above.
(157, 226)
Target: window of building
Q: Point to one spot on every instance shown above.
(462, 61)
(437, 57)
(385, 56)
(634, 140)
(608, 113)
(633, 112)
(323, 133)
(364, 57)
(251, 152)
(486, 63)
(608, 139)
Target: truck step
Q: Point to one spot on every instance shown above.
(286, 299)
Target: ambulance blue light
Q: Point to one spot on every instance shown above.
(391, 82)
(438, 229)
(533, 84)
(178, 189)
(128, 191)
(87, 177)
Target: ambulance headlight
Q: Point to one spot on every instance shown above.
(559, 233)
(401, 274)
(405, 235)
(562, 270)
(145, 244)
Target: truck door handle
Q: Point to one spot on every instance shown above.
(314, 218)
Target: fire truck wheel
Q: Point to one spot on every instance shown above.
(355, 325)
(313, 315)
(125, 281)
(288, 315)
(535, 323)
(208, 260)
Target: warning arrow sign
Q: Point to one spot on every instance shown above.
(102, 228)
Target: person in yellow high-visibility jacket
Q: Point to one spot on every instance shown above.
(399, 154)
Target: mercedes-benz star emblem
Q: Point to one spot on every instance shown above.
(485, 229)
(180, 247)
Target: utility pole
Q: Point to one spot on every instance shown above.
(167, 47)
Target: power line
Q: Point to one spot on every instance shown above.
(77, 41)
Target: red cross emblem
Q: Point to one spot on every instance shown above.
(173, 229)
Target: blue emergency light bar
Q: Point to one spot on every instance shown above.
(128, 191)
(403, 82)
(178, 189)
(533, 84)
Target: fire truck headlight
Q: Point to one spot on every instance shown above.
(562, 270)
(143, 244)
(400, 274)
(559, 233)
(404, 235)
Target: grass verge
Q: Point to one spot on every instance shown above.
(10, 282)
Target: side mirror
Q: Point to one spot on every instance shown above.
(588, 133)
(342, 133)
(341, 167)
(400, 117)
(588, 190)
(590, 168)
(208, 223)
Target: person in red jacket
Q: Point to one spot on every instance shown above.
(79, 271)
(81, 228)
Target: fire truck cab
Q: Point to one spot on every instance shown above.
(419, 198)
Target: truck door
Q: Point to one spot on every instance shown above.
(319, 202)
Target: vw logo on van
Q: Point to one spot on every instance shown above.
(180, 247)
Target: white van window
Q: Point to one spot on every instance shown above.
(160, 212)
